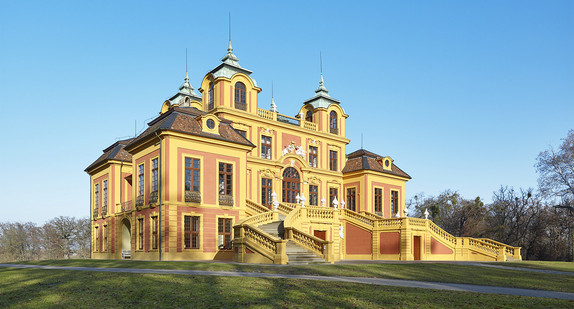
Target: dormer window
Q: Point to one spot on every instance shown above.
(240, 102)
(309, 116)
(211, 102)
(333, 128)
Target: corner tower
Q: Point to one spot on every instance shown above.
(325, 111)
(229, 86)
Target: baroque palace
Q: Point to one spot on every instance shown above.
(215, 176)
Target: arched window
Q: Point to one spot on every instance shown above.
(211, 102)
(291, 185)
(333, 128)
(309, 116)
(240, 102)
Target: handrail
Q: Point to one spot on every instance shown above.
(258, 219)
(394, 223)
(310, 242)
(320, 213)
(292, 218)
(482, 246)
(285, 208)
(371, 215)
(349, 214)
(257, 208)
(265, 242)
(442, 233)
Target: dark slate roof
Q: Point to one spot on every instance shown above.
(115, 152)
(365, 160)
(184, 120)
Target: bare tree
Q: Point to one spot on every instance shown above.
(556, 181)
(19, 241)
(556, 173)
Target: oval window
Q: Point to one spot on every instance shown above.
(210, 124)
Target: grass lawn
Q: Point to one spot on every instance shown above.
(560, 266)
(35, 288)
(436, 272)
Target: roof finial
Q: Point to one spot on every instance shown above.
(229, 48)
(273, 105)
(230, 58)
(321, 83)
(186, 75)
(321, 66)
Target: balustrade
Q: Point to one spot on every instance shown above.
(265, 114)
(126, 206)
(226, 200)
(192, 197)
(256, 208)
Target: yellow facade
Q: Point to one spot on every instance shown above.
(216, 176)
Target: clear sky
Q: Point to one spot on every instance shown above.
(463, 95)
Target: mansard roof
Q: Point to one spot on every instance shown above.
(365, 160)
(114, 152)
(184, 120)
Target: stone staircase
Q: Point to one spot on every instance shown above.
(297, 255)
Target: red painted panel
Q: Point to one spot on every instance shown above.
(320, 234)
(438, 248)
(358, 241)
(390, 243)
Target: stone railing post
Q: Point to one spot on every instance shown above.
(281, 255)
(329, 256)
(288, 233)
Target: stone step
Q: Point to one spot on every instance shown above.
(274, 228)
(299, 256)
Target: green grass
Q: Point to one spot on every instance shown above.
(435, 272)
(36, 288)
(545, 265)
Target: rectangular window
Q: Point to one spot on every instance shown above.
(105, 199)
(97, 241)
(105, 238)
(154, 232)
(378, 201)
(141, 180)
(333, 160)
(313, 195)
(312, 156)
(265, 147)
(225, 184)
(154, 175)
(191, 232)
(224, 233)
(140, 233)
(96, 199)
(333, 193)
(394, 202)
(266, 190)
(351, 193)
(192, 174)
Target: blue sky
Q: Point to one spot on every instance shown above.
(462, 94)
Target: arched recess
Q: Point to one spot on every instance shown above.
(291, 185)
(126, 238)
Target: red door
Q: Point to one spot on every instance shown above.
(417, 247)
(320, 234)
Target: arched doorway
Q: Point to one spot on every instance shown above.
(126, 239)
(291, 185)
